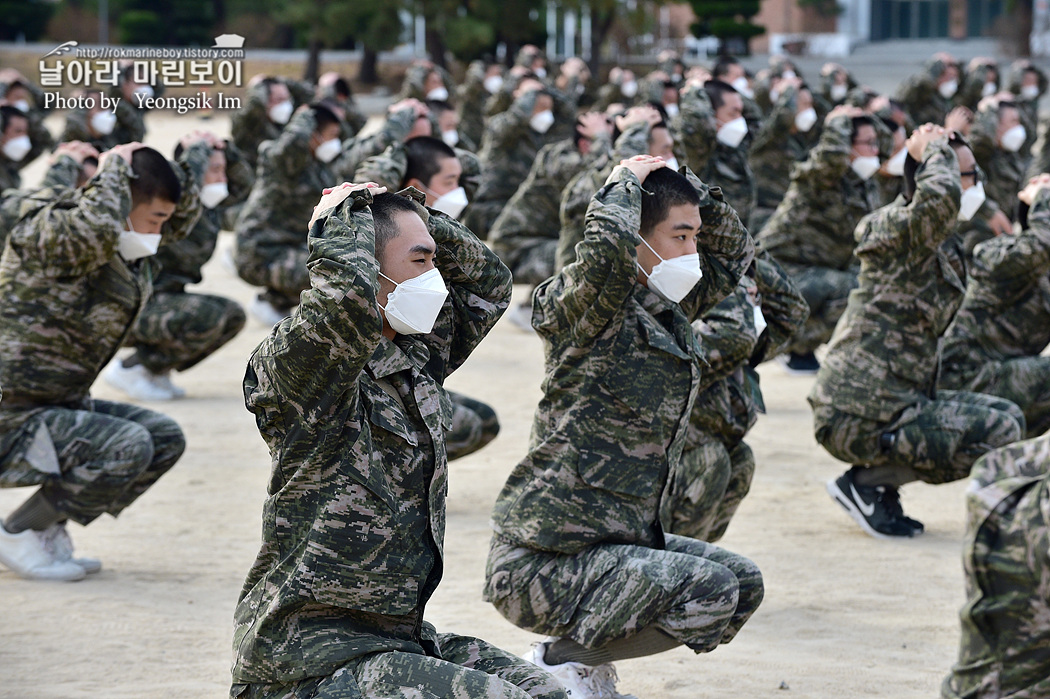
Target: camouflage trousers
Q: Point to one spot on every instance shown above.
(93, 460)
(1024, 381)
(827, 293)
(696, 592)
(468, 668)
(177, 330)
(939, 439)
(705, 488)
(279, 269)
(531, 263)
(474, 424)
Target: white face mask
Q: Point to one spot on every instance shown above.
(732, 132)
(760, 320)
(451, 203)
(674, 278)
(671, 109)
(805, 119)
(773, 95)
(1013, 138)
(948, 89)
(281, 112)
(866, 166)
(17, 148)
(451, 138)
(788, 74)
(1030, 92)
(327, 151)
(213, 194)
(413, 306)
(672, 163)
(839, 92)
(540, 73)
(895, 165)
(21, 105)
(438, 93)
(629, 89)
(493, 83)
(989, 89)
(103, 122)
(541, 122)
(971, 201)
(145, 90)
(741, 85)
(133, 245)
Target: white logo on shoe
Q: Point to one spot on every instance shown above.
(868, 509)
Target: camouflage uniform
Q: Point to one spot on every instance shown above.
(388, 169)
(920, 97)
(355, 424)
(1007, 562)
(68, 301)
(61, 175)
(474, 424)
(471, 98)
(879, 376)
(714, 474)
(353, 119)
(1029, 107)
(715, 162)
(811, 233)
(394, 130)
(39, 137)
(777, 147)
(525, 234)
(130, 127)
(178, 329)
(971, 85)
(994, 342)
(1004, 170)
(578, 550)
(271, 243)
(416, 75)
(251, 126)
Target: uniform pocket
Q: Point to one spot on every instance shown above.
(356, 588)
(619, 474)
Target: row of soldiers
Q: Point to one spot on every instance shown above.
(881, 401)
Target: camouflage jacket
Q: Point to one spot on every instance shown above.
(388, 169)
(577, 194)
(353, 120)
(971, 86)
(61, 270)
(250, 125)
(884, 354)
(76, 129)
(604, 435)
(813, 226)
(1006, 311)
(289, 180)
(1007, 563)
(471, 96)
(777, 147)
(61, 176)
(354, 522)
(1004, 171)
(920, 97)
(394, 130)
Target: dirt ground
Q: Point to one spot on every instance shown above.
(844, 616)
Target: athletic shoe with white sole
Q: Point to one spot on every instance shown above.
(57, 542)
(165, 382)
(27, 554)
(580, 681)
(136, 381)
(877, 509)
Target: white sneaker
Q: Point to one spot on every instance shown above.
(164, 381)
(57, 542)
(26, 554)
(580, 681)
(266, 313)
(136, 381)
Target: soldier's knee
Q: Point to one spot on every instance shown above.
(235, 319)
(133, 451)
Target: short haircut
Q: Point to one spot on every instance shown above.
(424, 155)
(154, 178)
(439, 107)
(716, 91)
(664, 188)
(385, 208)
(7, 113)
(323, 115)
(1007, 103)
(341, 87)
(859, 121)
(722, 66)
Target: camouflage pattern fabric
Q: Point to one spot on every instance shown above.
(271, 243)
(697, 593)
(471, 97)
(355, 424)
(920, 97)
(971, 85)
(1006, 557)
(61, 176)
(1040, 161)
(525, 234)
(826, 292)
(416, 75)
(394, 130)
(995, 341)
(1028, 107)
(354, 119)
(1004, 171)
(92, 457)
(250, 126)
(76, 129)
(705, 489)
(40, 140)
(388, 169)
(474, 424)
(178, 330)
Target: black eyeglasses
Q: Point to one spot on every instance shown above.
(969, 173)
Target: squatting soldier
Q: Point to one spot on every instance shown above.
(347, 395)
(578, 552)
(265, 113)
(1007, 564)
(927, 96)
(96, 125)
(835, 84)
(271, 245)
(483, 80)
(15, 146)
(980, 81)
(1028, 83)
(997, 136)
(73, 263)
(714, 474)
(334, 88)
(425, 81)
(811, 232)
(995, 341)
(875, 402)
(178, 329)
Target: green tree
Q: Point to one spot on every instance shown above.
(470, 29)
(375, 24)
(25, 19)
(729, 21)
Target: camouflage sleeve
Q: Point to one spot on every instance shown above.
(533, 206)
(240, 176)
(694, 127)
(39, 136)
(829, 159)
(1015, 260)
(130, 121)
(782, 304)
(250, 120)
(584, 296)
(386, 169)
(470, 177)
(983, 135)
(63, 173)
(71, 239)
(76, 128)
(572, 210)
(190, 169)
(394, 129)
(300, 372)
(512, 125)
(727, 335)
(633, 141)
(302, 91)
(479, 287)
(726, 250)
(1040, 152)
(290, 153)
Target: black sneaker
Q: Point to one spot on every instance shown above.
(877, 509)
(800, 364)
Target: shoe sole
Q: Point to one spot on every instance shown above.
(851, 509)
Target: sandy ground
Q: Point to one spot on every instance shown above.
(845, 615)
